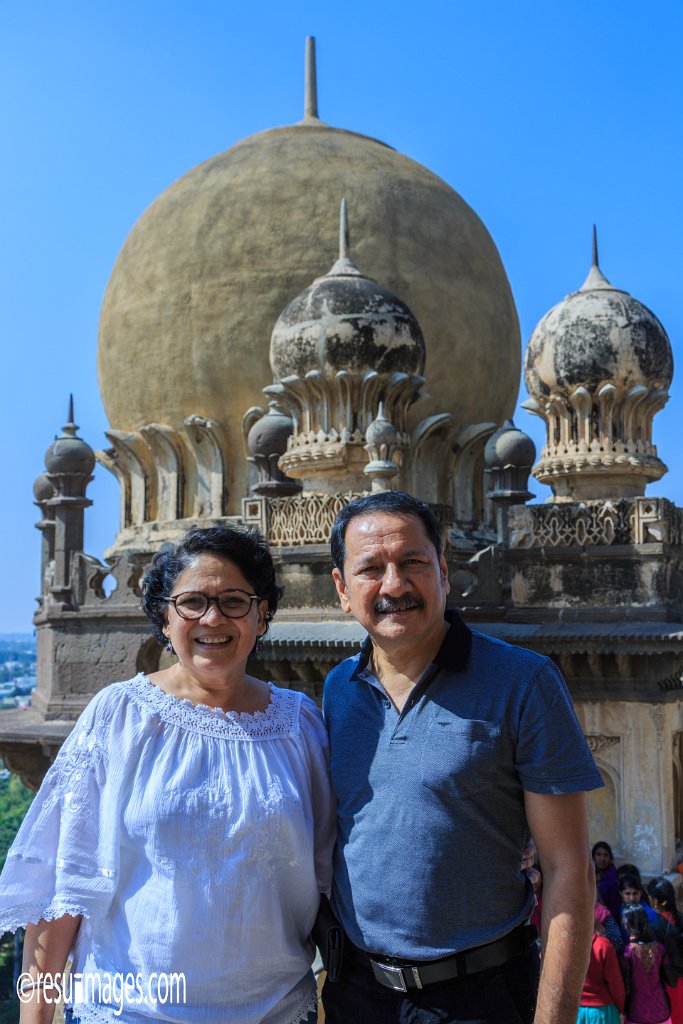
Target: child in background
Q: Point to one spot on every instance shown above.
(602, 998)
(644, 961)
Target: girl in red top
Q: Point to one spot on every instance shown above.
(602, 998)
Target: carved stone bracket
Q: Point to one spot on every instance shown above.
(597, 743)
(207, 447)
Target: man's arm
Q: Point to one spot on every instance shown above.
(559, 826)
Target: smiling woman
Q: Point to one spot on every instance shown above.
(211, 598)
(186, 826)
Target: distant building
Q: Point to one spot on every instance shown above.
(391, 362)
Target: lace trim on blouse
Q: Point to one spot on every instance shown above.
(48, 910)
(278, 721)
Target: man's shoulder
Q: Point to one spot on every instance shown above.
(491, 650)
(342, 672)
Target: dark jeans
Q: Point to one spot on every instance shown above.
(503, 995)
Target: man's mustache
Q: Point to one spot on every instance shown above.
(386, 605)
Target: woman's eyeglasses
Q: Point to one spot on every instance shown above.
(192, 604)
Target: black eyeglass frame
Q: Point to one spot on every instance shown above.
(209, 599)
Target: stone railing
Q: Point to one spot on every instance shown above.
(628, 521)
(308, 518)
(300, 519)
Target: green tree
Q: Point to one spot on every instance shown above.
(15, 800)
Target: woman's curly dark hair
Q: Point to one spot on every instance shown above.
(246, 547)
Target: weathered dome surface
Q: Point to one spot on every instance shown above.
(69, 455)
(509, 446)
(43, 488)
(209, 267)
(597, 335)
(346, 321)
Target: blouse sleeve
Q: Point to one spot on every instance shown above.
(314, 736)
(64, 859)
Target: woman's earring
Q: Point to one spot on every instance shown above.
(169, 646)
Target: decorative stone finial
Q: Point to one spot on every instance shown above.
(596, 280)
(344, 266)
(69, 453)
(266, 437)
(344, 242)
(385, 448)
(311, 86)
(509, 457)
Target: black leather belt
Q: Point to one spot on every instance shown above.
(396, 974)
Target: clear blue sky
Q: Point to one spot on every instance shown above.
(545, 117)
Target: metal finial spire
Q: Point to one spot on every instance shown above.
(70, 429)
(344, 265)
(344, 245)
(596, 280)
(311, 87)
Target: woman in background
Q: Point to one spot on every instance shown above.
(608, 882)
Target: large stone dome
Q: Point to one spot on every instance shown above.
(205, 273)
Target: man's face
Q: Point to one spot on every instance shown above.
(393, 583)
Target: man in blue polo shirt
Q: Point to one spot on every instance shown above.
(448, 749)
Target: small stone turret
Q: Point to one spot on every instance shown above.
(342, 346)
(69, 462)
(598, 367)
(385, 448)
(508, 458)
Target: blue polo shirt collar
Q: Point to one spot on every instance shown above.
(454, 653)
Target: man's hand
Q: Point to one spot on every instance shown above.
(529, 855)
(560, 830)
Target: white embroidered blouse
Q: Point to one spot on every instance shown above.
(191, 840)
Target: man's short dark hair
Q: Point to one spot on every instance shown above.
(396, 503)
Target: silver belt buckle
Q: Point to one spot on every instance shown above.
(392, 977)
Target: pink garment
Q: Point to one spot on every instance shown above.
(629, 1021)
(601, 913)
(647, 1003)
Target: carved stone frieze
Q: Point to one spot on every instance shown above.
(634, 521)
(304, 519)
